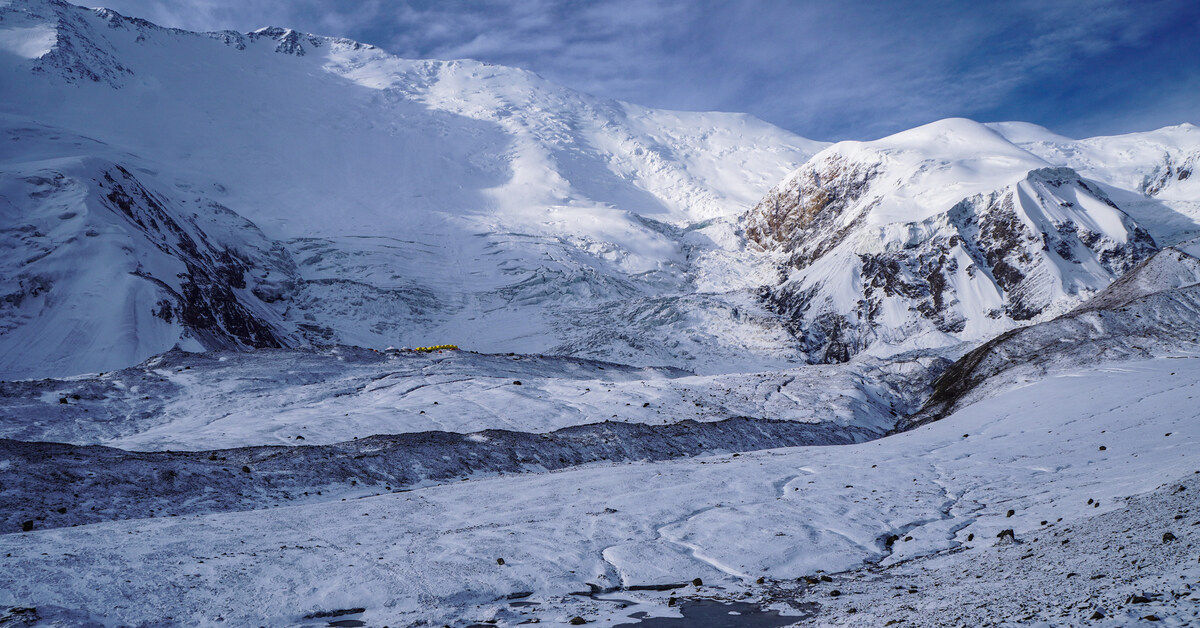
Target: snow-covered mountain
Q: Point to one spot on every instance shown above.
(1158, 163)
(272, 188)
(160, 187)
(1150, 174)
(957, 231)
(317, 199)
(1151, 311)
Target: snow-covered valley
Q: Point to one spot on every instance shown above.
(431, 554)
(711, 373)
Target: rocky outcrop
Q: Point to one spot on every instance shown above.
(1170, 171)
(807, 214)
(289, 41)
(209, 298)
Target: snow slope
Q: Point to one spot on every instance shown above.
(393, 201)
(102, 270)
(1153, 309)
(938, 235)
(1061, 574)
(431, 554)
(1149, 174)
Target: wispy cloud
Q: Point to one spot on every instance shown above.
(856, 68)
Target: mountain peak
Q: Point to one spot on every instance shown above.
(291, 42)
(953, 138)
(397, 199)
(944, 233)
(945, 129)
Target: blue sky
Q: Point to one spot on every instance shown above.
(850, 69)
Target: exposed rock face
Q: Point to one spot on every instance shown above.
(860, 275)
(806, 215)
(1170, 171)
(105, 263)
(290, 41)
(76, 55)
(209, 300)
(82, 52)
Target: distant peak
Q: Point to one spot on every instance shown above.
(948, 130)
(290, 41)
(948, 140)
(293, 42)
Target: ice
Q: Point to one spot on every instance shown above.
(205, 401)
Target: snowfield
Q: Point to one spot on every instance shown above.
(431, 554)
(184, 401)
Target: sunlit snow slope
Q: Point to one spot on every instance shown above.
(956, 231)
(1152, 175)
(277, 188)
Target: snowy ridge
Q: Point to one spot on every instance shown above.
(938, 235)
(402, 201)
(1158, 163)
(1152, 311)
(1149, 174)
